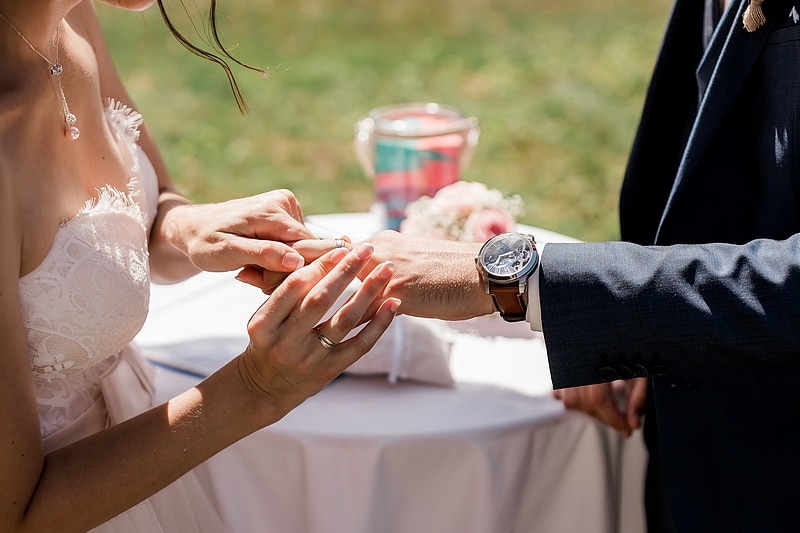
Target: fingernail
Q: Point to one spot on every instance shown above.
(363, 251)
(337, 254)
(386, 270)
(293, 261)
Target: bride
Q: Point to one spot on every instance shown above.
(88, 217)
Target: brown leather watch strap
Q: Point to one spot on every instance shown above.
(508, 301)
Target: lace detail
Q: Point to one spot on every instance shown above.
(125, 123)
(89, 297)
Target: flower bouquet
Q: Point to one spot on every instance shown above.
(463, 211)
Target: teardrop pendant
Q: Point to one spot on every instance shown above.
(56, 69)
(72, 132)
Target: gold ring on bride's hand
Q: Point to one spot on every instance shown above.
(325, 341)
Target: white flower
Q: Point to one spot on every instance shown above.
(463, 211)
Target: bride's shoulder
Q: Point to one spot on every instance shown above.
(84, 21)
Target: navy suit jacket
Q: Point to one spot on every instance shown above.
(704, 297)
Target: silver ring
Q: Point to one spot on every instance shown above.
(325, 341)
(338, 243)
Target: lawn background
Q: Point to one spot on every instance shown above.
(556, 86)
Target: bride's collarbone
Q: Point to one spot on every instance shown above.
(92, 161)
(34, 123)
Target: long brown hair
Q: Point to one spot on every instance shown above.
(213, 57)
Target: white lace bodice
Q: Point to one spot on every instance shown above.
(89, 297)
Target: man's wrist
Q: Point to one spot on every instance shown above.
(505, 262)
(534, 314)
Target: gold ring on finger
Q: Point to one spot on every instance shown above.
(325, 341)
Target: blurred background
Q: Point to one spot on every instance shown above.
(556, 86)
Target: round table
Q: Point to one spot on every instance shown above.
(493, 453)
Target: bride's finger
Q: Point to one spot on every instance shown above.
(311, 249)
(349, 350)
(356, 310)
(308, 293)
(327, 291)
(288, 295)
(263, 279)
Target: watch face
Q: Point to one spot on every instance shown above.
(508, 256)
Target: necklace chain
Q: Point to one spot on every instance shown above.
(55, 70)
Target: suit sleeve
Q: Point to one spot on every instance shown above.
(619, 310)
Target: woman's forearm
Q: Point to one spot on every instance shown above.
(169, 262)
(117, 468)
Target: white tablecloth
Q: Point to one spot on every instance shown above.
(494, 454)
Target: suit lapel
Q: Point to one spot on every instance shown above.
(725, 67)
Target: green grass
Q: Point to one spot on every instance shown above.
(557, 88)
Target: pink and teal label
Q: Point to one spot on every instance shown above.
(409, 168)
(413, 150)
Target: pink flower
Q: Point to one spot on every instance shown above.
(419, 223)
(484, 224)
(461, 197)
(462, 211)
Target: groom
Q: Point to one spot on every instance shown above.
(704, 297)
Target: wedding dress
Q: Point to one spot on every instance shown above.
(82, 307)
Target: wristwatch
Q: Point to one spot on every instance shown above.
(505, 262)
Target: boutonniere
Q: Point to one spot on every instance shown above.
(753, 17)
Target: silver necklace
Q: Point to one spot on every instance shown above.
(70, 130)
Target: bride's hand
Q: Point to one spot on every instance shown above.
(257, 230)
(291, 355)
(310, 249)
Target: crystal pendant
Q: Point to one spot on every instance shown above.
(72, 131)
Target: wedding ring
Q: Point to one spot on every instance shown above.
(325, 341)
(338, 243)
